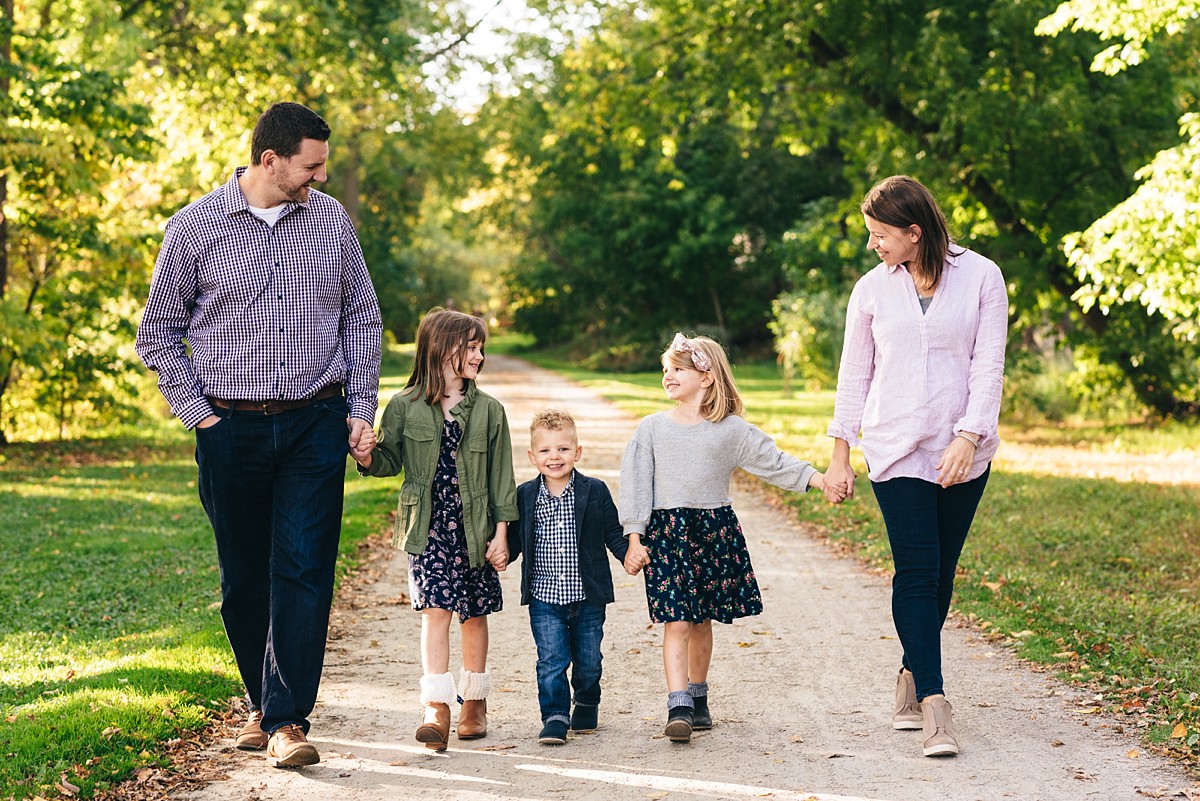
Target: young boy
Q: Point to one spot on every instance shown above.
(567, 520)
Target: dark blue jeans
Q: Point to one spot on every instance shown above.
(927, 526)
(272, 488)
(567, 635)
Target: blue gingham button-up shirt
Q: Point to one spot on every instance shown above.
(267, 312)
(556, 578)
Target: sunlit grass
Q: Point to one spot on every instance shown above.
(111, 642)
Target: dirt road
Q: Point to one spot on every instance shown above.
(801, 695)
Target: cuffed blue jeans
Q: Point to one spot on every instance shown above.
(927, 527)
(272, 487)
(567, 635)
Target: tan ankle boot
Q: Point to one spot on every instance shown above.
(472, 720)
(939, 727)
(434, 731)
(907, 715)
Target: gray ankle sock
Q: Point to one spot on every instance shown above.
(679, 698)
(698, 689)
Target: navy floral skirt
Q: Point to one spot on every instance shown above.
(699, 567)
(441, 576)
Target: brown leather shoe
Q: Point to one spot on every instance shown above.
(251, 737)
(289, 748)
(435, 730)
(472, 720)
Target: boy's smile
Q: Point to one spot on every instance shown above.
(554, 453)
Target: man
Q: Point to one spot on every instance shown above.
(264, 329)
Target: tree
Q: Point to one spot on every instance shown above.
(70, 129)
(1146, 248)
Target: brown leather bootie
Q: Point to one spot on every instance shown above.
(472, 720)
(434, 731)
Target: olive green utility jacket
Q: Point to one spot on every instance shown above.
(410, 438)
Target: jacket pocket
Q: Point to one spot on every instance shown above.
(407, 513)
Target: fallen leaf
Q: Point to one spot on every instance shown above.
(1179, 732)
(498, 747)
(1133, 753)
(796, 738)
(1057, 743)
(746, 644)
(836, 755)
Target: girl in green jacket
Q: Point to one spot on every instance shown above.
(458, 496)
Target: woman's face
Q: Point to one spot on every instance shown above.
(892, 245)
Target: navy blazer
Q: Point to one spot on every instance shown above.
(596, 526)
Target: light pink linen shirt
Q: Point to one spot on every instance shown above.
(910, 381)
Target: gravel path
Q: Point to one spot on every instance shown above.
(801, 695)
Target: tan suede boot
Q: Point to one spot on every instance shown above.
(939, 727)
(907, 715)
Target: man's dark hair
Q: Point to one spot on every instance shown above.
(282, 126)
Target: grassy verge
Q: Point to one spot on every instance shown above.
(111, 642)
(1095, 579)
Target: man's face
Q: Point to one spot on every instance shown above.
(294, 175)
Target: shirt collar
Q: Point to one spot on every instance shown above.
(951, 260)
(543, 490)
(235, 199)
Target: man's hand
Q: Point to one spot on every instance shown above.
(362, 440)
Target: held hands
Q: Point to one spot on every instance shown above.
(636, 558)
(837, 483)
(497, 551)
(362, 440)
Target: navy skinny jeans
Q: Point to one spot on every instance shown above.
(927, 526)
(272, 487)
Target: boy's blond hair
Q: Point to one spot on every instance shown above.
(721, 398)
(553, 420)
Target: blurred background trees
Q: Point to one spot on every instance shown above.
(617, 171)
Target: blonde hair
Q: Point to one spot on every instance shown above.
(443, 334)
(721, 398)
(553, 420)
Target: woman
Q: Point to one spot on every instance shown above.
(921, 375)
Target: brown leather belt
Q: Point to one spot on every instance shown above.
(276, 406)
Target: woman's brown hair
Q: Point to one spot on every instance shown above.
(902, 202)
(443, 334)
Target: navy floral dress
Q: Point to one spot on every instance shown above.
(441, 577)
(699, 567)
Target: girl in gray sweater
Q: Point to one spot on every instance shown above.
(674, 507)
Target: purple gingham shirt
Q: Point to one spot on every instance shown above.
(910, 381)
(268, 313)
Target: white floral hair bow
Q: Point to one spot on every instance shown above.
(699, 359)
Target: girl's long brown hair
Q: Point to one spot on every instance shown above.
(903, 202)
(443, 334)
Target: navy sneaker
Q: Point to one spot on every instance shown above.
(584, 718)
(701, 717)
(679, 724)
(553, 733)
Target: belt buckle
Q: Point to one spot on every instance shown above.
(266, 407)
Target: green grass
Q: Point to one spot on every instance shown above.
(1095, 579)
(111, 641)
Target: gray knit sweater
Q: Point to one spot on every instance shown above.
(668, 465)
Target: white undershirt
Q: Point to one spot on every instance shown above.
(269, 216)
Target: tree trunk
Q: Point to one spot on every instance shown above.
(6, 25)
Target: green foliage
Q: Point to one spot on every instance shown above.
(70, 131)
